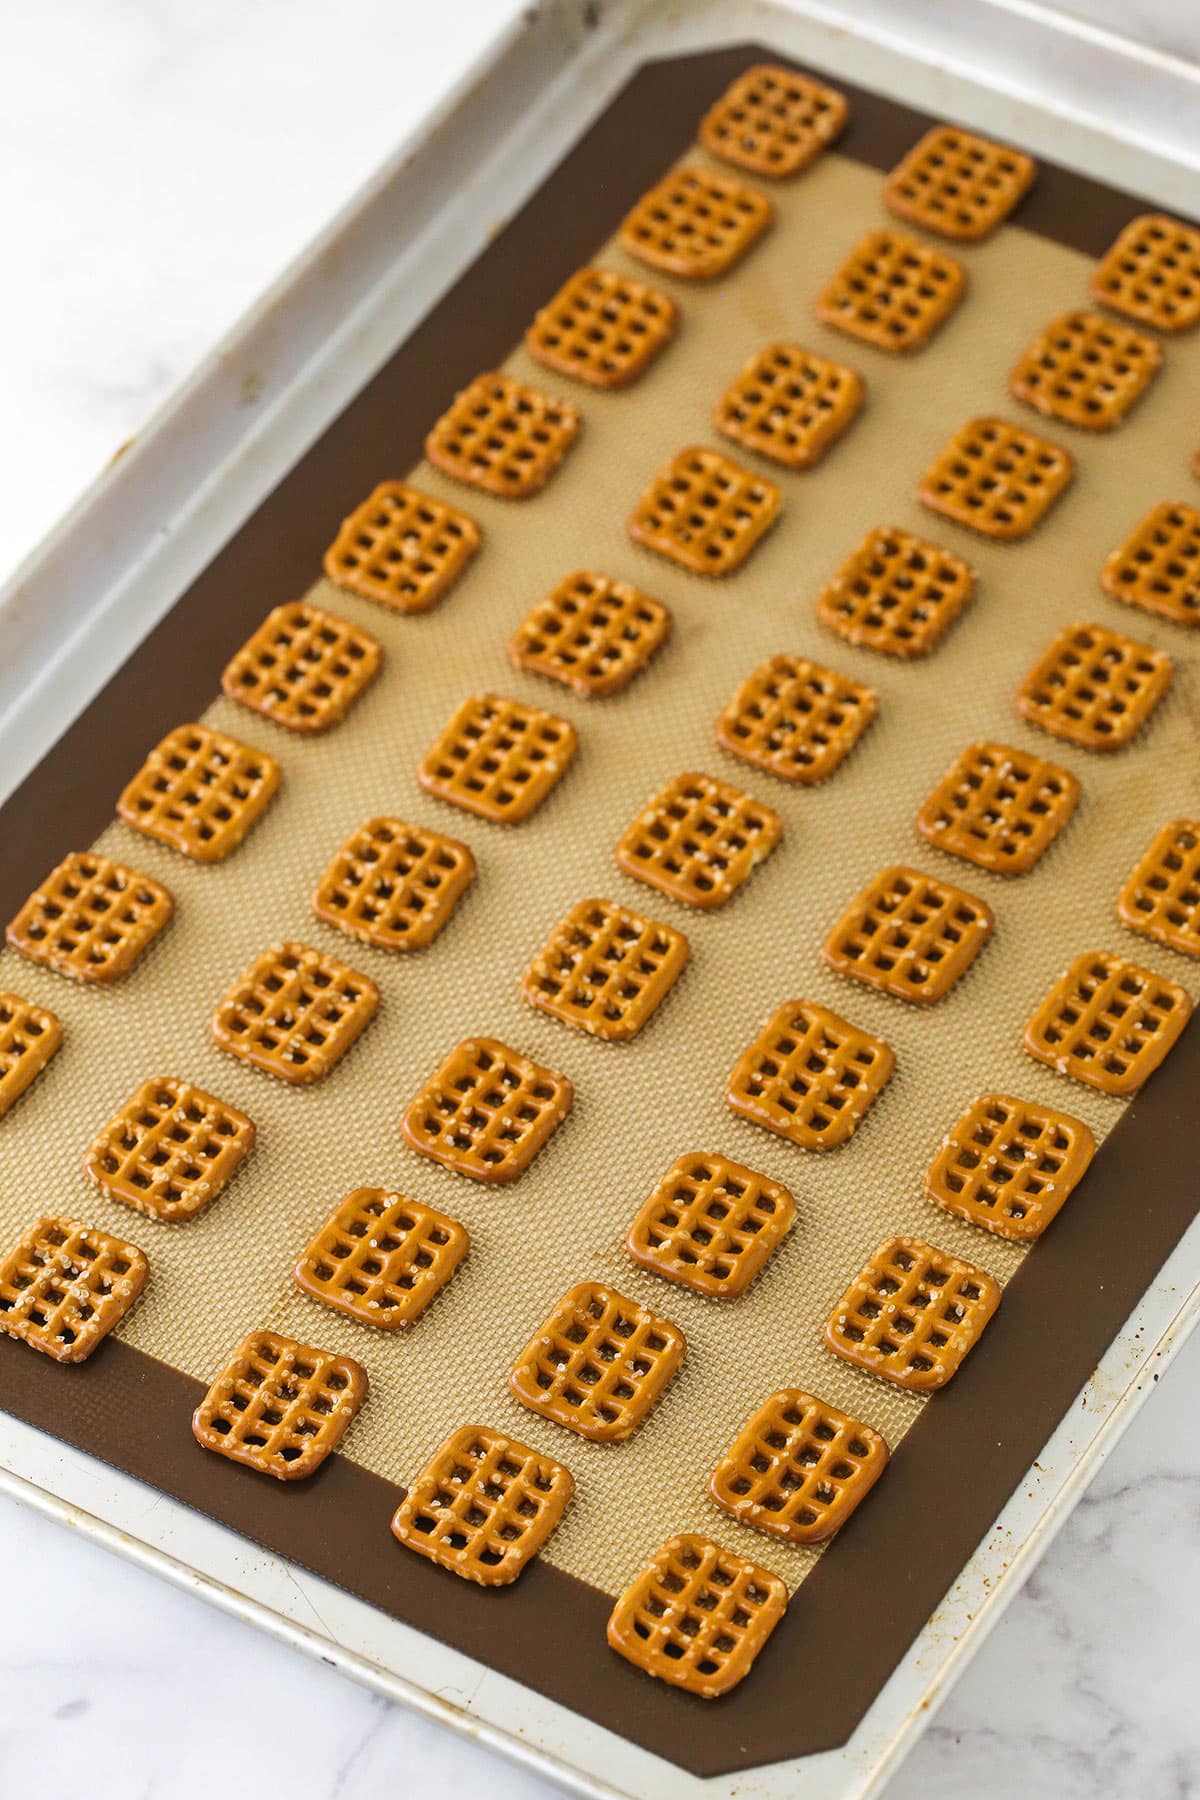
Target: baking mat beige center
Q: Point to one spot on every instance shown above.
(640, 1105)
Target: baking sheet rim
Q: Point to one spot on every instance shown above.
(1184, 1314)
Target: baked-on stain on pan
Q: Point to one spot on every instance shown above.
(857, 1613)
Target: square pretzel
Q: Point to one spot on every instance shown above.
(303, 667)
(64, 1286)
(591, 634)
(280, 1407)
(498, 758)
(502, 437)
(1094, 687)
(909, 935)
(200, 791)
(1152, 273)
(697, 1616)
(798, 1468)
(91, 918)
(1086, 370)
(394, 885)
(1108, 1022)
(710, 1225)
(29, 1036)
(892, 291)
(602, 328)
(810, 1076)
(996, 479)
(402, 548)
(704, 512)
(488, 1111)
(796, 719)
(790, 405)
(1158, 565)
(913, 1315)
(958, 184)
(1009, 1166)
(1161, 898)
(699, 840)
(170, 1150)
(773, 121)
(380, 1258)
(483, 1505)
(896, 594)
(295, 1013)
(999, 808)
(598, 1363)
(696, 223)
(605, 969)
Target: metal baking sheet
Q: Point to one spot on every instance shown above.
(559, 59)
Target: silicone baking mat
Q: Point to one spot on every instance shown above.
(638, 1105)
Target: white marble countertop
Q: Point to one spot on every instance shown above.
(159, 163)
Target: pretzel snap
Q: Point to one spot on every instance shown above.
(602, 328)
(810, 1076)
(1094, 687)
(1108, 1022)
(91, 918)
(200, 791)
(909, 935)
(1161, 897)
(1009, 1166)
(303, 667)
(913, 1315)
(798, 1468)
(796, 719)
(896, 594)
(1157, 568)
(699, 840)
(280, 1407)
(598, 1363)
(29, 1036)
(996, 479)
(295, 1013)
(488, 1111)
(696, 223)
(498, 758)
(790, 404)
(503, 437)
(1086, 370)
(774, 121)
(958, 184)
(64, 1286)
(697, 1616)
(402, 548)
(999, 808)
(381, 1259)
(711, 1225)
(483, 1505)
(170, 1150)
(1152, 273)
(591, 634)
(394, 885)
(606, 970)
(892, 291)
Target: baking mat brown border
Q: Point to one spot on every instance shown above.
(858, 1612)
